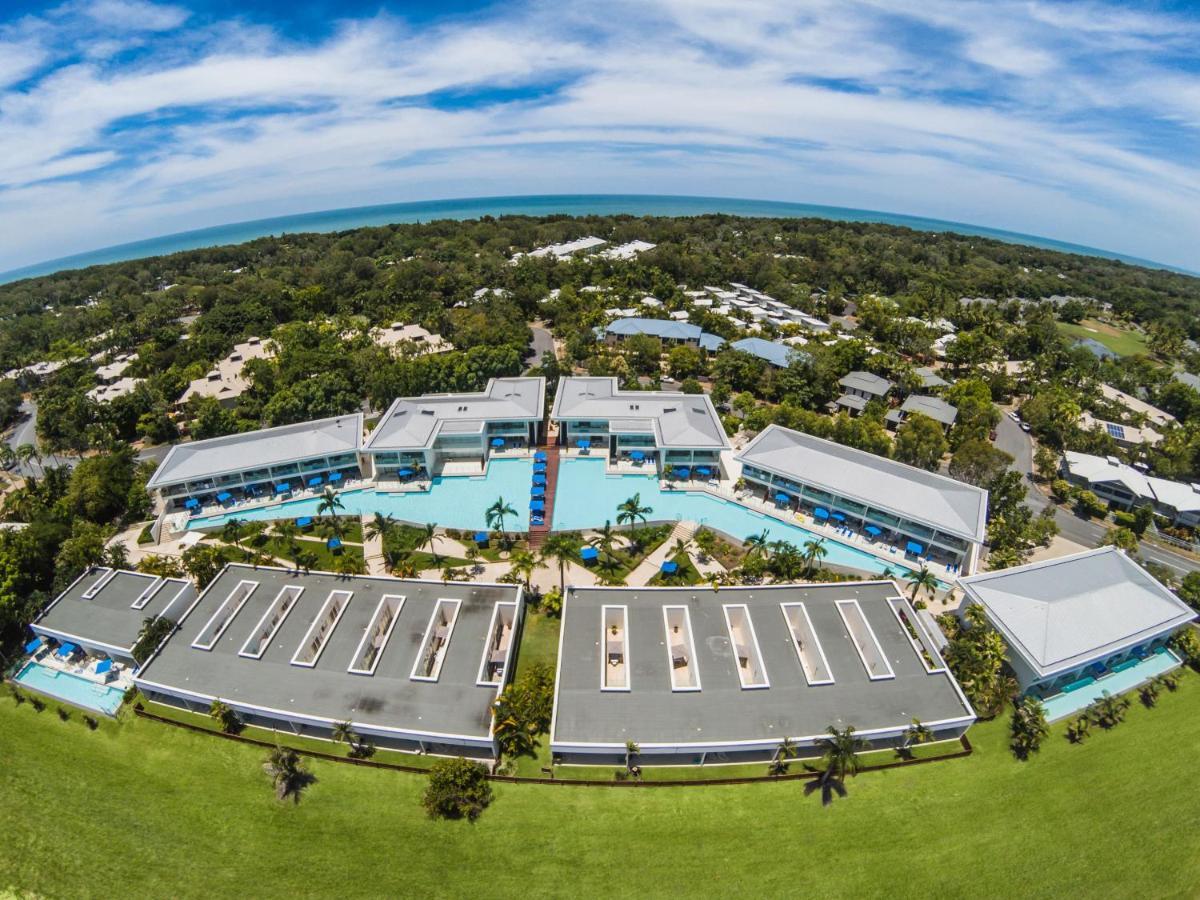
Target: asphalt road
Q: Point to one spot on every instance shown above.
(1012, 440)
(541, 342)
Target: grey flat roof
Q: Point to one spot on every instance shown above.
(678, 420)
(1062, 613)
(108, 617)
(413, 423)
(934, 407)
(722, 711)
(865, 381)
(389, 699)
(258, 449)
(949, 505)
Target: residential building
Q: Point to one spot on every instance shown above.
(930, 379)
(226, 380)
(627, 250)
(1126, 487)
(1081, 625)
(1152, 413)
(778, 354)
(418, 436)
(666, 330)
(926, 514)
(106, 393)
(104, 610)
(934, 407)
(859, 389)
(413, 665)
(110, 372)
(659, 427)
(269, 462)
(696, 677)
(565, 249)
(1127, 436)
(413, 340)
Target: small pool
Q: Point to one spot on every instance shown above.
(1062, 705)
(595, 497)
(456, 502)
(71, 688)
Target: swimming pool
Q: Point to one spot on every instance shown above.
(457, 502)
(71, 688)
(1062, 705)
(595, 497)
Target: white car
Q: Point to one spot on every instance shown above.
(1014, 417)
(1025, 427)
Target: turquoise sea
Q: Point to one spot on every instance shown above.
(566, 204)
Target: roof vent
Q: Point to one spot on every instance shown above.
(427, 412)
(1112, 460)
(670, 409)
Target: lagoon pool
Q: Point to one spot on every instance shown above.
(457, 502)
(595, 497)
(71, 688)
(1062, 705)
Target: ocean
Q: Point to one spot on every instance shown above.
(567, 204)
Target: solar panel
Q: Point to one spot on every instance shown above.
(1115, 430)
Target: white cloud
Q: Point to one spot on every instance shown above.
(1002, 114)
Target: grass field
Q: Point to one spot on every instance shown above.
(1118, 340)
(144, 809)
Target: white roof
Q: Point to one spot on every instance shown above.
(259, 449)
(947, 504)
(676, 420)
(1060, 614)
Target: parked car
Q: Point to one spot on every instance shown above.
(1025, 427)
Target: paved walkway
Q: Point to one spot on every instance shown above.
(649, 566)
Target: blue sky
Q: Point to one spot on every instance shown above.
(126, 119)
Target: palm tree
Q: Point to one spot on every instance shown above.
(380, 527)
(306, 560)
(631, 512)
(758, 544)
(814, 552)
(287, 531)
(232, 532)
(608, 570)
(401, 565)
(562, 548)
(429, 539)
(8, 460)
(495, 516)
(785, 752)
(715, 579)
(521, 565)
(473, 557)
(224, 715)
(349, 564)
(604, 539)
(914, 734)
(334, 528)
(343, 733)
(923, 580)
(287, 773)
(330, 503)
(631, 751)
(840, 758)
(26, 454)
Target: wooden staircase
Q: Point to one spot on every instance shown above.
(538, 533)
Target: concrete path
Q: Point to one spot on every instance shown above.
(649, 566)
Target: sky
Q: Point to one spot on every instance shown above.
(127, 119)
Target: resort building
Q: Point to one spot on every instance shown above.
(412, 665)
(668, 331)
(658, 427)
(412, 340)
(418, 436)
(930, 379)
(628, 250)
(1126, 487)
(1080, 625)
(270, 462)
(859, 389)
(563, 250)
(102, 613)
(1138, 407)
(110, 372)
(106, 393)
(934, 407)
(773, 353)
(699, 677)
(1130, 437)
(225, 380)
(922, 513)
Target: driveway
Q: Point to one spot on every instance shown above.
(541, 342)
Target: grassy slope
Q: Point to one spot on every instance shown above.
(1125, 343)
(143, 808)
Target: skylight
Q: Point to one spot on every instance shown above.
(808, 646)
(322, 627)
(219, 621)
(865, 641)
(751, 671)
(260, 638)
(499, 643)
(614, 674)
(437, 641)
(681, 649)
(376, 634)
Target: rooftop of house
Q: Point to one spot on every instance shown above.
(676, 420)
(934, 407)
(225, 380)
(867, 382)
(746, 665)
(775, 353)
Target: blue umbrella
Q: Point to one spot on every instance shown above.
(669, 567)
(539, 479)
(914, 547)
(103, 666)
(874, 530)
(638, 455)
(585, 443)
(304, 521)
(405, 472)
(839, 516)
(682, 472)
(497, 442)
(537, 505)
(223, 496)
(703, 471)
(67, 649)
(314, 481)
(282, 488)
(782, 498)
(539, 468)
(33, 645)
(336, 476)
(540, 456)
(538, 490)
(587, 554)
(333, 543)
(821, 512)
(191, 503)
(481, 537)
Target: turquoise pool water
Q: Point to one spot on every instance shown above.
(457, 502)
(1062, 705)
(595, 497)
(66, 686)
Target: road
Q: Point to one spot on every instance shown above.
(1015, 442)
(541, 342)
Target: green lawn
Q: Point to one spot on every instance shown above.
(687, 573)
(1119, 341)
(147, 809)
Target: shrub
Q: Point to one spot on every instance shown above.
(1124, 519)
(154, 631)
(1107, 712)
(1090, 506)
(458, 789)
(552, 602)
(225, 716)
(1187, 645)
(524, 710)
(145, 537)
(1061, 489)
(1028, 727)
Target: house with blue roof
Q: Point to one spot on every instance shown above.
(668, 331)
(772, 352)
